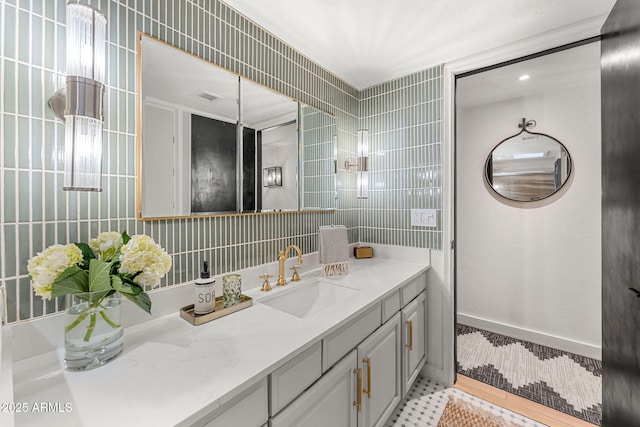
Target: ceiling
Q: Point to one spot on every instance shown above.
(548, 74)
(367, 42)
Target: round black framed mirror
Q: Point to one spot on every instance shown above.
(528, 166)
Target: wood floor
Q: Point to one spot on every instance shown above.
(518, 404)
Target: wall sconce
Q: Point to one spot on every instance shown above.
(79, 105)
(361, 165)
(272, 177)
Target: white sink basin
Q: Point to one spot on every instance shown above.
(304, 300)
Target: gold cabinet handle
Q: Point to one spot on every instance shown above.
(358, 402)
(410, 323)
(368, 390)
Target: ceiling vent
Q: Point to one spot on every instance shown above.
(207, 96)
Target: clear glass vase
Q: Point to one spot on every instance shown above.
(94, 334)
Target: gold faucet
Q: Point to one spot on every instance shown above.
(283, 255)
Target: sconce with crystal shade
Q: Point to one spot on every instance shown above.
(82, 98)
(361, 165)
(272, 177)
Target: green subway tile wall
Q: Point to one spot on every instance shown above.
(403, 117)
(404, 120)
(319, 177)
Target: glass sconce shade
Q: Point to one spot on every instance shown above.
(82, 154)
(363, 143)
(272, 177)
(86, 37)
(363, 185)
(83, 98)
(363, 164)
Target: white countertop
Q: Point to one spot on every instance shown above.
(6, 377)
(172, 372)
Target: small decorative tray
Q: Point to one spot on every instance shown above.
(188, 314)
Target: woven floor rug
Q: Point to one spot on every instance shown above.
(459, 413)
(426, 400)
(563, 381)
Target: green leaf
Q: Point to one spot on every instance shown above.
(123, 287)
(116, 283)
(71, 281)
(99, 275)
(142, 300)
(87, 253)
(125, 237)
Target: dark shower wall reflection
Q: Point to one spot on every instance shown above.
(213, 165)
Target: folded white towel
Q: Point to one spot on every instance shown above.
(334, 250)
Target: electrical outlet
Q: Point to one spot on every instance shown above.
(423, 217)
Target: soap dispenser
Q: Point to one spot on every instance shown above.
(205, 292)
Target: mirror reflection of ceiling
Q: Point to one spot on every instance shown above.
(527, 144)
(548, 73)
(172, 76)
(281, 136)
(178, 78)
(367, 42)
(263, 108)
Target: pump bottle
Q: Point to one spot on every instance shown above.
(205, 292)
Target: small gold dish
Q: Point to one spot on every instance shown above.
(188, 314)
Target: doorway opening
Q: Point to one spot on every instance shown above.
(528, 288)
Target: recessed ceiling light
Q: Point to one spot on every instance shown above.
(524, 77)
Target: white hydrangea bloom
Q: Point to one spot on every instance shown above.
(142, 255)
(106, 244)
(46, 266)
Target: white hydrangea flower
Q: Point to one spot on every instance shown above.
(106, 244)
(142, 255)
(45, 267)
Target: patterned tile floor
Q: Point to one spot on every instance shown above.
(425, 404)
(563, 381)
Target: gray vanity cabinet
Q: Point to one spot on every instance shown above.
(248, 409)
(379, 361)
(413, 340)
(354, 377)
(368, 376)
(329, 402)
(294, 377)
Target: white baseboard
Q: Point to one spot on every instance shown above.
(560, 343)
(438, 375)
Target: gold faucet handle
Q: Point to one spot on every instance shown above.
(266, 286)
(295, 277)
